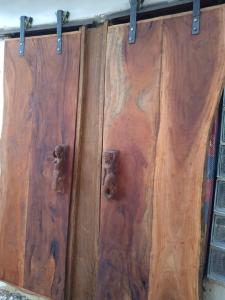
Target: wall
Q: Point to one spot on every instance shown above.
(43, 11)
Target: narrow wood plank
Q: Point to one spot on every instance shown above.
(15, 164)
(87, 171)
(193, 72)
(75, 179)
(54, 99)
(131, 121)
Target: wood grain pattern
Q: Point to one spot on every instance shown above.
(71, 255)
(15, 163)
(84, 217)
(193, 72)
(160, 97)
(131, 122)
(41, 92)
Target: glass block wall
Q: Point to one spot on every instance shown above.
(216, 263)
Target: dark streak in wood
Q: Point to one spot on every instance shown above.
(54, 250)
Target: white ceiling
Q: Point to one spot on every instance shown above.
(44, 11)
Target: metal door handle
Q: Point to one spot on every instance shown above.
(110, 158)
(60, 155)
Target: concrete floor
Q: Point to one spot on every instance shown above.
(10, 292)
(213, 290)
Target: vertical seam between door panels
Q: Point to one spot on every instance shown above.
(156, 146)
(103, 71)
(72, 222)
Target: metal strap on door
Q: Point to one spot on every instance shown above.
(196, 17)
(135, 5)
(26, 23)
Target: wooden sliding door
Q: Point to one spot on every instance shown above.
(131, 124)
(143, 118)
(192, 79)
(37, 150)
(161, 94)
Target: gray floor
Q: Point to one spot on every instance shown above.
(213, 291)
(10, 292)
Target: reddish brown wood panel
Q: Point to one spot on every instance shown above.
(15, 165)
(41, 92)
(131, 121)
(83, 256)
(193, 72)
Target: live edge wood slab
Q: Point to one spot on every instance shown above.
(161, 94)
(192, 79)
(40, 100)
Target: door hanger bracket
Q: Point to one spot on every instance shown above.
(134, 7)
(62, 18)
(25, 23)
(196, 17)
